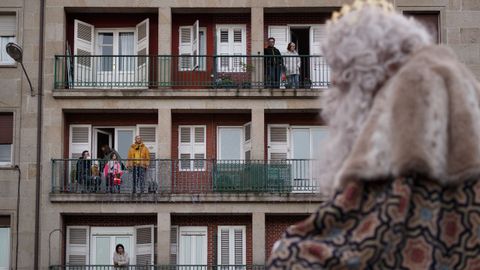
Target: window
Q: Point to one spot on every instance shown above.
(5, 244)
(231, 46)
(8, 24)
(6, 138)
(429, 19)
(234, 142)
(192, 41)
(192, 147)
(231, 246)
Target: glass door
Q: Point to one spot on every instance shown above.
(4, 248)
(192, 246)
(104, 241)
(301, 154)
(124, 137)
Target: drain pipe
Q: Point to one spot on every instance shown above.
(18, 215)
(39, 135)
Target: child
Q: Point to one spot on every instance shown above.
(113, 173)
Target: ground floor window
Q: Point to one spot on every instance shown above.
(5, 242)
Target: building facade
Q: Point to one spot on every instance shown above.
(232, 141)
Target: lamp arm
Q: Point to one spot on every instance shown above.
(28, 79)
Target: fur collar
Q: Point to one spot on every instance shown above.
(425, 121)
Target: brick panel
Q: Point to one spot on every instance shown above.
(275, 226)
(212, 222)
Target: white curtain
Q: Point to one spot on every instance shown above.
(126, 47)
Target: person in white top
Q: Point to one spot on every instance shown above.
(120, 257)
(292, 66)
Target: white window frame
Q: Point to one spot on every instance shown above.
(291, 146)
(232, 242)
(111, 232)
(192, 229)
(9, 245)
(10, 37)
(192, 147)
(242, 143)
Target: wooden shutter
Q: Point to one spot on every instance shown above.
(6, 127)
(281, 34)
(83, 50)
(185, 48)
(247, 140)
(142, 30)
(173, 245)
(77, 245)
(231, 40)
(144, 245)
(223, 48)
(192, 145)
(231, 245)
(149, 137)
(80, 140)
(319, 71)
(195, 43)
(278, 140)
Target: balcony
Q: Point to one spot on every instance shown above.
(158, 267)
(188, 72)
(187, 177)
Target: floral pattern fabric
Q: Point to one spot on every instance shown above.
(404, 223)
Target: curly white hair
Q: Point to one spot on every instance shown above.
(363, 49)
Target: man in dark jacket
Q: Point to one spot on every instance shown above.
(84, 171)
(273, 65)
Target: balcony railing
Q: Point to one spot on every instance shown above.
(185, 176)
(185, 71)
(158, 267)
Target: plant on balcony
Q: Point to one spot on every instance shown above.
(249, 69)
(225, 81)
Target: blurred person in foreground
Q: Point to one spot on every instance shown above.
(403, 154)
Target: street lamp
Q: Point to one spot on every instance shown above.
(16, 53)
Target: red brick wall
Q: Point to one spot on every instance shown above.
(275, 226)
(212, 222)
(299, 119)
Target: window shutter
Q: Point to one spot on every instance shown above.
(83, 50)
(231, 40)
(199, 147)
(281, 34)
(231, 245)
(195, 43)
(80, 140)
(8, 25)
(319, 71)
(223, 49)
(144, 245)
(77, 245)
(192, 145)
(143, 29)
(173, 245)
(238, 47)
(6, 127)
(278, 140)
(149, 137)
(185, 48)
(247, 140)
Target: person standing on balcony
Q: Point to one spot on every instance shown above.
(83, 166)
(273, 64)
(113, 174)
(138, 162)
(120, 257)
(292, 66)
(403, 152)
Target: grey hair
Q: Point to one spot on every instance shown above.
(363, 49)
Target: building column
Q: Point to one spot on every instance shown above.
(164, 131)
(164, 45)
(163, 238)
(258, 134)
(258, 236)
(257, 45)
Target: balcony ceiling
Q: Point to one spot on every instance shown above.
(109, 10)
(209, 10)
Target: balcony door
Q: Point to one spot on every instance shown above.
(192, 246)
(105, 239)
(115, 63)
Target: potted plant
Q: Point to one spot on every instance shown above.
(224, 81)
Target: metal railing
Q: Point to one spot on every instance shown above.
(186, 71)
(158, 267)
(184, 176)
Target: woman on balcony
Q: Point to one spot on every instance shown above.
(403, 156)
(292, 66)
(120, 257)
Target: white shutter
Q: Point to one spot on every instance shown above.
(231, 245)
(77, 245)
(80, 140)
(144, 245)
(278, 141)
(143, 29)
(239, 47)
(192, 145)
(231, 40)
(8, 25)
(195, 43)
(199, 147)
(185, 48)
(149, 137)
(281, 34)
(173, 245)
(247, 140)
(83, 50)
(223, 48)
(319, 72)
